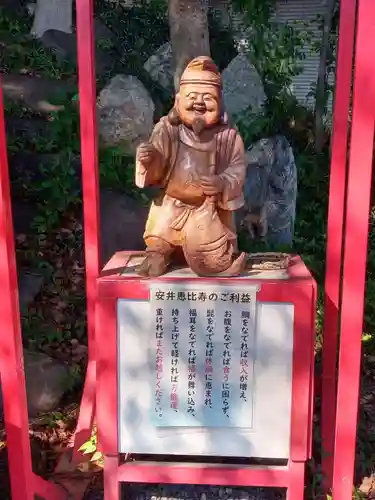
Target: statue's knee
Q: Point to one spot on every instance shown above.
(155, 244)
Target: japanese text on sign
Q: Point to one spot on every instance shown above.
(203, 350)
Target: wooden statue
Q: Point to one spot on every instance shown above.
(199, 162)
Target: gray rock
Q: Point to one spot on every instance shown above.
(64, 45)
(45, 382)
(125, 111)
(27, 128)
(52, 14)
(29, 284)
(242, 87)
(159, 66)
(23, 213)
(102, 32)
(61, 43)
(123, 221)
(271, 188)
(15, 5)
(34, 92)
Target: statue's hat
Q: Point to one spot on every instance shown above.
(201, 70)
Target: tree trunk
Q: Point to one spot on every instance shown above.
(321, 84)
(188, 27)
(52, 15)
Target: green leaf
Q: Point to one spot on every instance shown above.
(98, 455)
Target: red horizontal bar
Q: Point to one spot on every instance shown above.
(204, 475)
(47, 490)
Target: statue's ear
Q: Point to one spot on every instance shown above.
(173, 116)
(224, 118)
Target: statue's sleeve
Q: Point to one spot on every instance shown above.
(234, 176)
(155, 173)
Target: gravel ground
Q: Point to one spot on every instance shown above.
(191, 492)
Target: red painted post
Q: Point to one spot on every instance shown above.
(11, 354)
(356, 236)
(335, 229)
(90, 179)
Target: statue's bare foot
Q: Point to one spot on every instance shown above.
(237, 266)
(155, 264)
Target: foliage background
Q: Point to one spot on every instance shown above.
(276, 52)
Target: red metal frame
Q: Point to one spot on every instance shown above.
(24, 483)
(335, 229)
(11, 355)
(299, 290)
(356, 236)
(91, 205)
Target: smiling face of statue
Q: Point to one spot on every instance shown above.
(198, 106)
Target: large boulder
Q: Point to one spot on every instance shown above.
(30, 281)
(123, 220)
(242, 87)
(36, 93)
(46, 382)
(159, 66)
(125, 111)
(52, 15)
(15, 5)
(64, 46)
(30, 284)
(271, 189)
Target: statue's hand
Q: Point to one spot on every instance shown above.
(212, 184)
(146, 153)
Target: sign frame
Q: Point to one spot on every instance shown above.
(300, 290)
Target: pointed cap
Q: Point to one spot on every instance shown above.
(203, 71)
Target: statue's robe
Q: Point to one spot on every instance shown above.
(184, 160)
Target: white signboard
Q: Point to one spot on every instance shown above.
(203, 353)
(205, 371)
